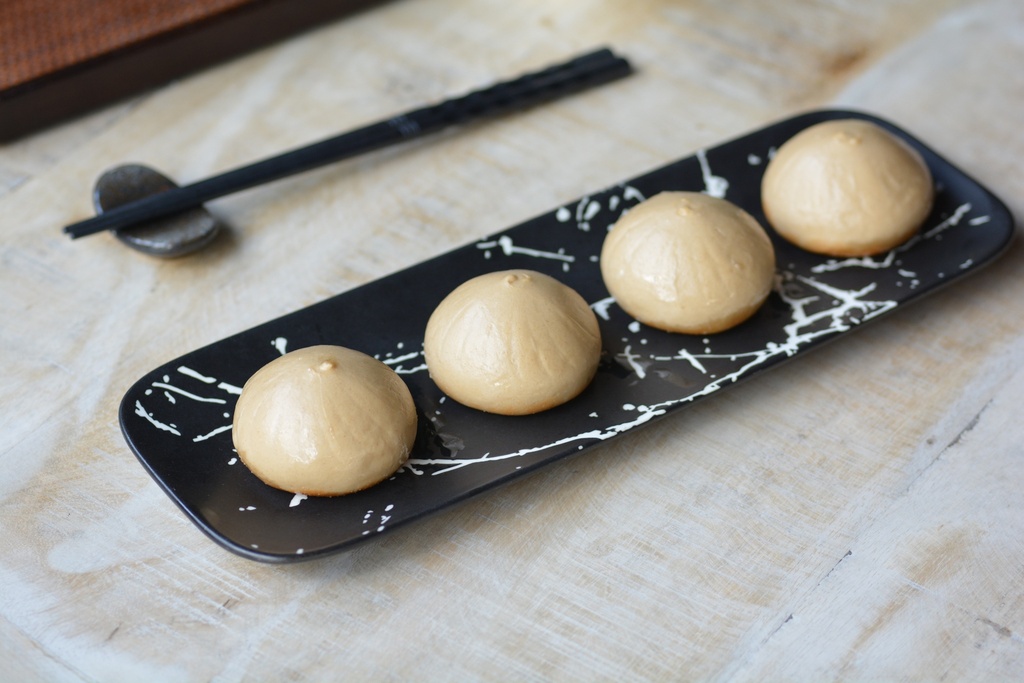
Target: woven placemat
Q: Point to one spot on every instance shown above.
(60, 58)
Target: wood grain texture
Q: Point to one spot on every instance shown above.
(857, 515)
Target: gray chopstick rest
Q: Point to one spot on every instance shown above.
(175, 235)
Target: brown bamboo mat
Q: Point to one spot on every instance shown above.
(59, 58)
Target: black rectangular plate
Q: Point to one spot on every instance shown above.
(177, 418)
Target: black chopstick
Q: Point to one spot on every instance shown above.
(577, 74)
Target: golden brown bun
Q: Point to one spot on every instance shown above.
(324, 421)
(686, 262)
(513, 342)
(846, 188)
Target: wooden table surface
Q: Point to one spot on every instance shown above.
(855, 515)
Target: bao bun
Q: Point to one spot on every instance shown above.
(687, 262)
(846, 188)
(512, 342)
(324, 421)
